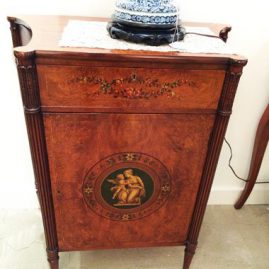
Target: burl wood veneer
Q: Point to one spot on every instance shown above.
(124, 143)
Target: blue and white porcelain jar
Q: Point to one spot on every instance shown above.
(152, 22)
(147, 13)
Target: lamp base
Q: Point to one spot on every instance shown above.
(146, 35)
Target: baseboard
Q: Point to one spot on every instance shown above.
(228, 196)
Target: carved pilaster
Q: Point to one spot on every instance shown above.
(205, 186)
(231, 81)
(215, 144)
(28, 82)
(31, 101)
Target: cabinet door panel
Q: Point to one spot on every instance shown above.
(87, 152)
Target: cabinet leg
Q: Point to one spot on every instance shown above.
(261, 140)
(189, 253)
(53, 259)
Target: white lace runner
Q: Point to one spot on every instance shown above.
(93, 34)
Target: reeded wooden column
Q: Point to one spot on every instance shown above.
(232, 78)
(33, 116)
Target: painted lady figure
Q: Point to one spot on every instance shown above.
(128, 189)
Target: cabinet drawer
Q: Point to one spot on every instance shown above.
(128, 89)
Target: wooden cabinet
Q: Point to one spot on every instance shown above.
(124, 143)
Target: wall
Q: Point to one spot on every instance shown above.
(249, 37)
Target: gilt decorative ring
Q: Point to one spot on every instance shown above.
(127, 186)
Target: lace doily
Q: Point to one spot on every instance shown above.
(93, 34)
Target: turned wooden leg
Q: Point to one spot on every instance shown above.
(261, 140)
(53, 259)
(189, 253)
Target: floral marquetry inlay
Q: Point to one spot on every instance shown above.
(134, 86)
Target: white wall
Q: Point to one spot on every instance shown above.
(249, 37)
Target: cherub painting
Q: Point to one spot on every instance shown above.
(120, 192)
(128, 189)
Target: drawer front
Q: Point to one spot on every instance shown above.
(165, 152)
(129, 89)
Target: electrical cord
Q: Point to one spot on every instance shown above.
(231, 167)
(206, 35)
(226, 141)
(193, 33)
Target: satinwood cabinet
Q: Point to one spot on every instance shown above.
(124, 143)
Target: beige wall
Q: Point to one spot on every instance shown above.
(249, 37)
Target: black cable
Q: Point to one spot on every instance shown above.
(231, 167)
(192, 33)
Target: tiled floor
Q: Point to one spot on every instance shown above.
(229, 239)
